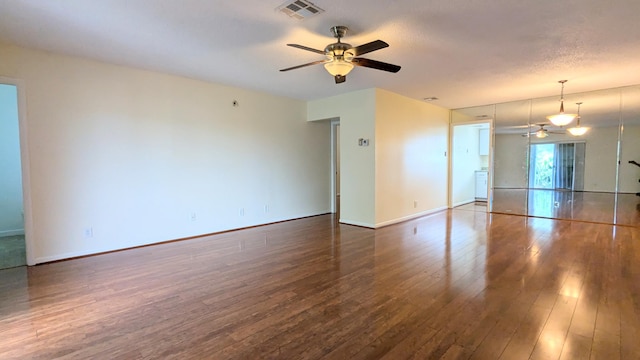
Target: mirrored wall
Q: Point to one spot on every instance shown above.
(539, 169)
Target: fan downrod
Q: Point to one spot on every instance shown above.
(339, 31)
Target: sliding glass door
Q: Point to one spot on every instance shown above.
(557, 166)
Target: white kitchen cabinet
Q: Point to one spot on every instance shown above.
(481, 184)
(483, 142)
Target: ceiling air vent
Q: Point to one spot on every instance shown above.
(299, 9)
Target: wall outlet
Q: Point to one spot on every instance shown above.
(415, 204)
(241, 212)
(194, 217)
(88, 232)
(266, 208)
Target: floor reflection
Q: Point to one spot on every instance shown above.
(628, 210)
(510, 201)
(571, 205)
(587, 206)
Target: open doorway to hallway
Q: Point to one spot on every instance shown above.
(12, 234)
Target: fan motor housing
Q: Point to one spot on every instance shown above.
(339, 50)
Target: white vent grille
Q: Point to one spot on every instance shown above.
(299, 9)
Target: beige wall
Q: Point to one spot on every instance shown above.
(411, 165)
(132, 154)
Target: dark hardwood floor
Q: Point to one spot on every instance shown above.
(455, 285)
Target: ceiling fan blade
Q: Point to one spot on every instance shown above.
(340, 79)
(321, 52)
(369, 47)
(303, 65)
(379, 65)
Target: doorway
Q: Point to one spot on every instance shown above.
(12, 224)
(470, 159)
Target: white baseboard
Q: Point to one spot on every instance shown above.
(464, 202)
(411, 217)
(394, 221)
(11, 232)
(70, 255)
(98, 251)
(356, 223)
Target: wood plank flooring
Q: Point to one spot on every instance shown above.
(460, 284)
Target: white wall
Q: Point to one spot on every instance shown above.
(411, 165)
(600, 159)
(629, 173)
(466, 160)
(132, 154)
(11, 207)
(356, 111)
(510, 161)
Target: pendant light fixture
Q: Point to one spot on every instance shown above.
(578, 130)
(561, 119)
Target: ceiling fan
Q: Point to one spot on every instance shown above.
(341, 57)
(541, 132)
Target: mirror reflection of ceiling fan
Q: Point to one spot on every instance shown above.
(541, 132)
(341, 57)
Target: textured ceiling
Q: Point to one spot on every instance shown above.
(465, 52)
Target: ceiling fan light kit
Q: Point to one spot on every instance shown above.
(561, 119)
(338, 67)
(541, 134)
(341, 57)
